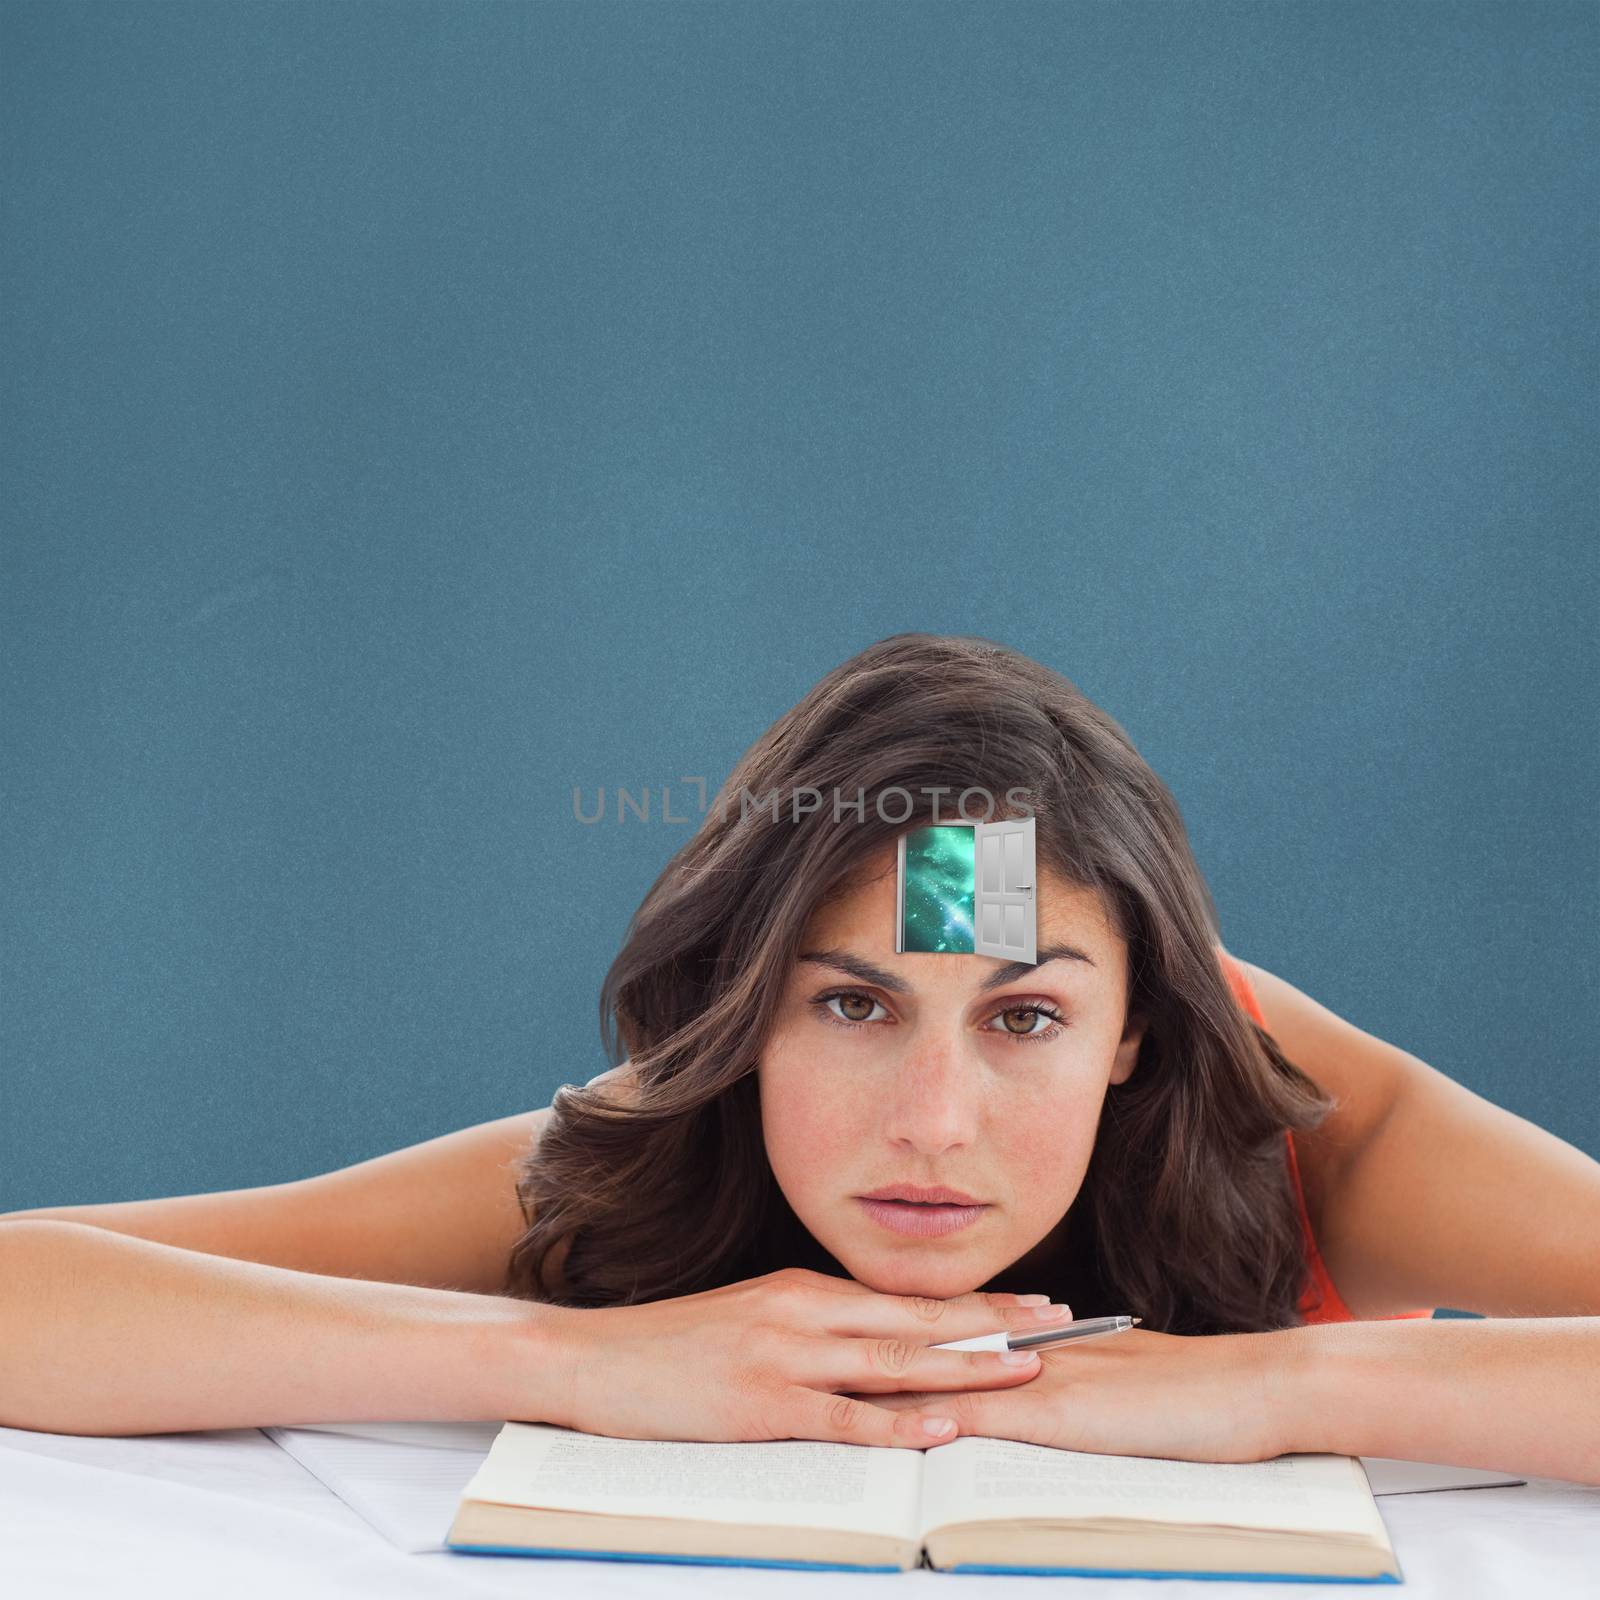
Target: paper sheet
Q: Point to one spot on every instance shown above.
(408, 1490)
(1388, 1476)
(474, 1436)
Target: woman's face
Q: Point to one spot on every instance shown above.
(923, 1070)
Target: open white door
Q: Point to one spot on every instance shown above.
(1005, 920)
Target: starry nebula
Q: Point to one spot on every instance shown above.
(939, 888)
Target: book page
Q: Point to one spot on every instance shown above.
(978, 1479)
(801, 1483)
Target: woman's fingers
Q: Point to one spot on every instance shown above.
(843, 1306)
(907, 1400)
(884, 1366)
(850, 1420)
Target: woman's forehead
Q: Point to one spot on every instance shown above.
(861, 913)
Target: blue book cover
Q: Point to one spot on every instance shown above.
(965, 1566)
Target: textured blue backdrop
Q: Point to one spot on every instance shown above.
(414, 411)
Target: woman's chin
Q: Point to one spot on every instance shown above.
(935, 1279)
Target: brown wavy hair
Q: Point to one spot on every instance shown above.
(1186, 1215)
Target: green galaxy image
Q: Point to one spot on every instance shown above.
(938, 889)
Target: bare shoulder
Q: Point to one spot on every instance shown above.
(1424, 1193)
(1363, 1075)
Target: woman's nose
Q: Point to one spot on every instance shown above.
(933, 1105)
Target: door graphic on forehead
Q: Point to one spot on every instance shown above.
(1005, 915)
(968, 889)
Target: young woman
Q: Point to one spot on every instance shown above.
(820, 1157)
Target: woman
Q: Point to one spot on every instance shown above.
(821, 1158)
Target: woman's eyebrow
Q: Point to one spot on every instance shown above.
(1020, 969)
(859, 967)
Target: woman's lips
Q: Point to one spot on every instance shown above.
(925, 1222)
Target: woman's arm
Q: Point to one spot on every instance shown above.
(102, 1333)
(1513, 1396)
(442, 1214)
(1519, 1395)
(105, 1334)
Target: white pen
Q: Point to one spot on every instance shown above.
(1092, 1328)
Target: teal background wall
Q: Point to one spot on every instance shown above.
(414, 411)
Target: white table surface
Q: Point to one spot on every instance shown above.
(228, 1515)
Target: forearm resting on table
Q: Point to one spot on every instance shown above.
(1515, 1394)
(103, 1333)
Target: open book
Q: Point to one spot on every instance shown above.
(974, 1505)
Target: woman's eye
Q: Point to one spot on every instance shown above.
(855, 1007)
(1026, 1022)
(849, 1008)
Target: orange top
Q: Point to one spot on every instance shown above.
(1321, 1301)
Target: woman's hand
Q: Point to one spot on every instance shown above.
(793, 1354)
(1135, 1394)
